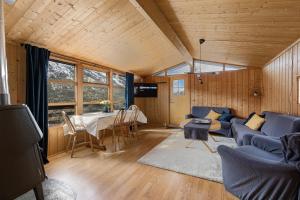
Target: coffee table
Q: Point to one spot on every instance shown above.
(196, 131)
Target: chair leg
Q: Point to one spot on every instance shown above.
(38, 192)
(73, 145)
(102, 136)
(69, 142)
(114, 140)
(91, 142)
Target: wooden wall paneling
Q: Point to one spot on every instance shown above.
(156, 109)
(16, 64)
(280, 82)
(232, 89)
(295, 73)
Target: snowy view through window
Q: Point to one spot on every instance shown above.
(62, 90)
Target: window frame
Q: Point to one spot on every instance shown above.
(66, 81)
(78, 82)
(98, 85)
(112, 85)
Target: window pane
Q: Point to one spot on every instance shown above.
(233, 68)
(58, 93)
(182, 68)
(118, 98)
(207, 67)
(162, 73)
(94, 94)
(175, 83)
(119, 80)
(61, 71)
(181, 83)
(54, 114)
(91, 76)
(87, 108)
(180, 91)
(175, 91)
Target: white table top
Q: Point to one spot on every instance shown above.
(96, 121)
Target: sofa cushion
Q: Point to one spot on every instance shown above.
(240, 131)
(226, 117)
(255, 122)
(277, 125)
(202, 111)
(213, 115)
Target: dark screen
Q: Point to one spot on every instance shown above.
(145, 90)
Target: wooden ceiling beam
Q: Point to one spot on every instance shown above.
(151, 12)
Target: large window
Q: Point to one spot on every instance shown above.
(207, 67)
(61, 90)
(161, 73)
(78, 89)
(118, 91)
(182, 68)
(95, 90)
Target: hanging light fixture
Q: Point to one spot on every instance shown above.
(201, 41)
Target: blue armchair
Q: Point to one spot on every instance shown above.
(258, 171)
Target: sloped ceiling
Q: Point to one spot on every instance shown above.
(243, 32)
(115, 34)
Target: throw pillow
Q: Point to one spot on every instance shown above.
(226, 117)
(255, 122)
(249, 117)
(213, 115)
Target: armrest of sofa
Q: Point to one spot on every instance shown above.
(267, 143)
(188, 116)
(225, 125)
(247, 175)
(247, 138)
(237, 121)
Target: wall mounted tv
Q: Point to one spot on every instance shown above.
(145, 90)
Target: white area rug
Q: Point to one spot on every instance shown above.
(191, 157)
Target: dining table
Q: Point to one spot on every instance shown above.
(94, 122)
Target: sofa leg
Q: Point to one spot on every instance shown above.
(38, 191)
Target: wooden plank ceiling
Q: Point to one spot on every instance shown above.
(243, 32)
(108, 32)
(115, 33)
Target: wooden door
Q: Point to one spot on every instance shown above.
(179, 98)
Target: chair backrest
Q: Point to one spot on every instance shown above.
(134, 114)
(120, 118)
(68, 122)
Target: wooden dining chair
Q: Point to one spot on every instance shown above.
(118, 128)
(73, 132)
(132, 124)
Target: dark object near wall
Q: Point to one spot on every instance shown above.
(129, 90)
(145, 90)
(37, 60)
(21, 166)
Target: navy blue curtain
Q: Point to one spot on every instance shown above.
(37, 60)
(129, 90)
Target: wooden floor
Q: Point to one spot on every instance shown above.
(102, 175)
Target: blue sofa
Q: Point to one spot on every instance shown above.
(260, 170)
(275, 126)
(202, 111)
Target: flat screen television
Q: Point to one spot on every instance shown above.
(145, 90)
